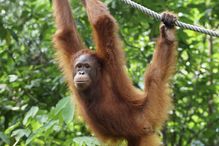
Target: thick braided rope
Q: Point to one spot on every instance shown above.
(177, 23)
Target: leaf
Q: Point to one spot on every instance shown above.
(39, 131)
(18, 134)
(11, 128)
(4, 138)
(90, 141)
(12, 78)
(34, 135)
(8, 38)
(31, 113)
(50, 124)
(61, 104)
(68, 111)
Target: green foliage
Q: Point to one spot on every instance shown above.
(35, 108)
(86, 140)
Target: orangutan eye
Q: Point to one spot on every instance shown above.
(87, 65)
(79, 66)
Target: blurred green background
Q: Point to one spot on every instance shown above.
(35, 108)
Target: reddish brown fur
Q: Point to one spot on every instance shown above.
(116, 110)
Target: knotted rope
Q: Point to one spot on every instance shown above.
(177, 23)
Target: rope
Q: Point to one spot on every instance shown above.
(177, 23)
